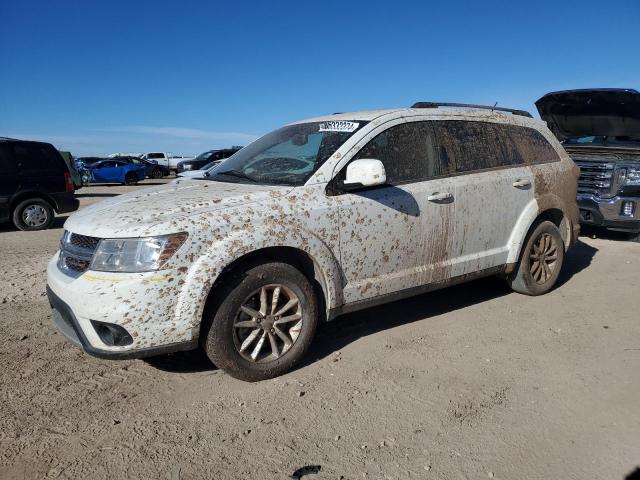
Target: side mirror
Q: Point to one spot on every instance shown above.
(365, 172)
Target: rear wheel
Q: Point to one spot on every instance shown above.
(634, 237)
(33, 214)
(264, 323)
(540, 262)
(130, 179)
(156, 173)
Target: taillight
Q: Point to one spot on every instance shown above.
(68, 183)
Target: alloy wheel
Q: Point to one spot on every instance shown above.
(543, 260)
(267, 323)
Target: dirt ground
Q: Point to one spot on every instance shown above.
(470, 382)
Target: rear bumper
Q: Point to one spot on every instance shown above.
(65, 202)
(607, 213)
(4, 210)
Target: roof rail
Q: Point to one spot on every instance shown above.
(522, 113)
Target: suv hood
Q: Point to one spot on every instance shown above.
(581, 113)
(164, 209)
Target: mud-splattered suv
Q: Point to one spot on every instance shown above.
(318, 218)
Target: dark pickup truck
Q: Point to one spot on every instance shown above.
(600, 130)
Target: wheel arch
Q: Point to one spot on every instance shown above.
(548, 208)
(319, 266)
(28, 194)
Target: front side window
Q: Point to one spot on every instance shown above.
(408, 152)
(287, 156)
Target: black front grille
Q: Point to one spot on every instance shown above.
(83, 241)
(76, 253)
(73, 263)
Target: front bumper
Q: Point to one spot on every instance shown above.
(145, 305)
(67, 324)
(607, 212)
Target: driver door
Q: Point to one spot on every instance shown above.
(106, 172)
(399, 235)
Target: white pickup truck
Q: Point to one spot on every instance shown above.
(167, 159)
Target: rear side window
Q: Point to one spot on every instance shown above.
(408, 152)
(155, 155)
(469, 145)
(38, 157)
(472, 146)
(529, 145)
(7, 164)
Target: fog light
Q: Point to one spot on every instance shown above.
(112, 334)
(628, 208)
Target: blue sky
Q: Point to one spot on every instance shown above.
(112, 76)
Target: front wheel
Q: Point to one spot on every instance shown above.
(264, 323)
(540, 262)
(156, 173)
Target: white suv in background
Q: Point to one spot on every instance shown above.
(320, 217)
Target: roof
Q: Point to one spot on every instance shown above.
(8, 139)
(435, 113)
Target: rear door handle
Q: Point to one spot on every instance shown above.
(522, 183)
(439, 197)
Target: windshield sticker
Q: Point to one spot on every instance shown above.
(338, 126)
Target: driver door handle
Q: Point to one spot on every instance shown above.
(439, 197)
(522, 183)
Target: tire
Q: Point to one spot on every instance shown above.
(130, 179)
(634, 237)
(156, 173)
(230, 347)
(33, 214)
(529, 279)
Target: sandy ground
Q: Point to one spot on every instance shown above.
(469, 382)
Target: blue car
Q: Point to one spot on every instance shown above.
(112, 171)
(151, 169)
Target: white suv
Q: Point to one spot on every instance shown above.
(320, 217)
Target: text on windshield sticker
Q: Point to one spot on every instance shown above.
(338, 126)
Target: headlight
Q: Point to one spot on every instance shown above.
(136, 254)
(632, 176)
(188, 166)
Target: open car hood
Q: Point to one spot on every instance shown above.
(601, 111)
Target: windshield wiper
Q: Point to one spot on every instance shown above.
(237, 174)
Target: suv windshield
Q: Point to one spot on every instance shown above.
(205, 155)
(287, 156)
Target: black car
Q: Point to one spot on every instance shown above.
(206, 157)
(600, 129)
(151, 169)
(35, 183)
